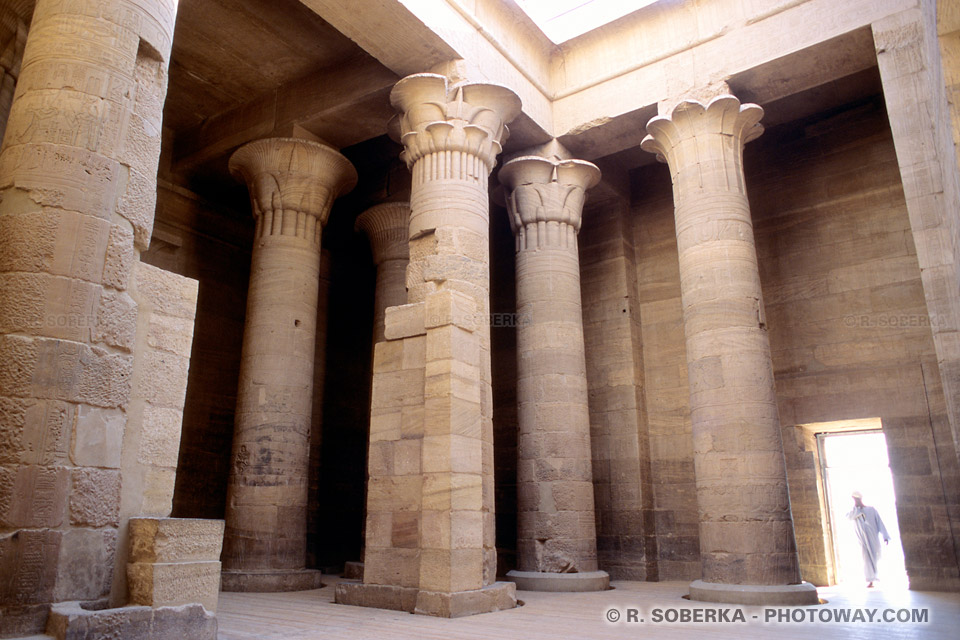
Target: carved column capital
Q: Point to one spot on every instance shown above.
(544, 195)
(681, 139)
(292, 184)
(387, 225)
(468, 120)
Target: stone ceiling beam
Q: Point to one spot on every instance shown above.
(318, 103)
(702, 49)
(414, 36)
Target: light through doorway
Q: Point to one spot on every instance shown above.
(858, 461)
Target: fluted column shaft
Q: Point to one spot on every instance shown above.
(292, 184)
(387, 225)
(746, 529)
(557, 529)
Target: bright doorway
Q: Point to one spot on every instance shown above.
(857, 461)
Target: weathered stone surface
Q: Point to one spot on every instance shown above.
(95, 497)
(97, 437)
(160, 584)
(86, 563)
(413, 539)
(545, 202)
(168, 540)
(292, 186)
(70, 621)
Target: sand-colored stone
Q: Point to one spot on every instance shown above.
(746, 529)
(292, 184)
(79, 160)
(452, 136)
(387, 226)
(557, 523)
(853, 192)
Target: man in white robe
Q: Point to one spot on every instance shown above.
(869, 528)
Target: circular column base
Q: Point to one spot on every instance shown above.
(270, 581)
(542, 581)
(787, 594)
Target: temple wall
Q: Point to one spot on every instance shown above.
(666, 390)
(626, 544)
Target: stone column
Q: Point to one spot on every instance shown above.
(452, 137)
(292, 184)
(557, 539)
(77, 190)
(430, 537)
(387, 225)
(747, 544)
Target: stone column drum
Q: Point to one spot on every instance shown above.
(292, 184)
(557, 540)
(747, 544)
(387, 226)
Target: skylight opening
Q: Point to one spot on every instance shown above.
(562, 20)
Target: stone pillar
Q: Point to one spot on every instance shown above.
(77, 190)
(747, 545)
(557, 539)
(387, 225)
(430, 538)
(292, 184)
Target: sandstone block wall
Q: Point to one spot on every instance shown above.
(166, 309)
(626, 537)
(395, 491)
(174, 561)
(666, 388)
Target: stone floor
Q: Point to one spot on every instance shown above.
(311, 615)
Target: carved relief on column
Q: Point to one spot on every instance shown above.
(387, 226)
(292, 184)
(746, 528)
(557, 540)
(77, 180)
